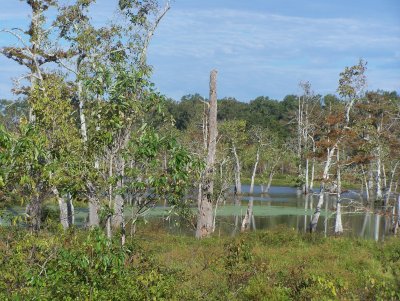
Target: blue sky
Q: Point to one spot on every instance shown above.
(259, 47)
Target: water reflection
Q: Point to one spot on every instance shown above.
(281, 206)
(285, 206)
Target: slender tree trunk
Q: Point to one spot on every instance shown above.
(205, 214)
(325, 177)
(94, 206)
(313, 168)
(246, 223)
(238, 182)
(118, 215)
(70, 210)
(397, 220)
(62, 205)
(378, 178)
(253, 176)
(82, 117)
(388, 191)
(307, 186)
(371, 180)
(299, 132)
(270, 178)
(366, 184)
(338, 221)
(110, 192)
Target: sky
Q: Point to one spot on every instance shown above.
(259, 47)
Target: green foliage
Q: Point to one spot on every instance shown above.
(267, 265)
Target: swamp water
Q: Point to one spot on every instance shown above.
(281, 206)
(287, 206)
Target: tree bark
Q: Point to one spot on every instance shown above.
(63, 207)
(397, 221)
(238, 183)
(312, 168)
(246, 223)
(67, 210)
(94, 206)
(205, 214)
(325, 177)
(388, 191)
(307, 184)
(378, 180)
(253, 176)
(338, 220)
(270, 178)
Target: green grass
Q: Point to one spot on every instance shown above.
(280, 264)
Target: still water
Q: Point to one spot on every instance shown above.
(280, 206)
(288, 207)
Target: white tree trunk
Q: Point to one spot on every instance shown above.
(253, 176)
(246, 223)
(238, 183)
(366, 184)
(397, 221)
(313, 167)
(338, 220)
(378, 178)
(388, 191)
(205, 214)
(82, 117)
(62, 205)
(270, 178)
(94, 206)
(325, 177)
(307, 186)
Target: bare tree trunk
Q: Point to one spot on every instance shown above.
(238, 183)
(67, 210)
(299, 132)
(205, 214)
(371, 180)
(62, 205)
(397, 221)
(378, 180)
(270, 178)
(82, 117)
(253, 176)
(307, 186)
(366, 184)
(388, 191)
(338, 221)
(325, 177)
(246, 223)
(94, 206)
(313, 167)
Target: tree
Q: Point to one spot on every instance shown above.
(351, 86)
(205, 214)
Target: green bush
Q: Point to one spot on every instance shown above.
(268, 265)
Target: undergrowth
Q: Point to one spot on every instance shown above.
(280, 264)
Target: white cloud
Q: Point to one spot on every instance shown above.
(255, 46)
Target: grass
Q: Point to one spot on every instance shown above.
(279, 264)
